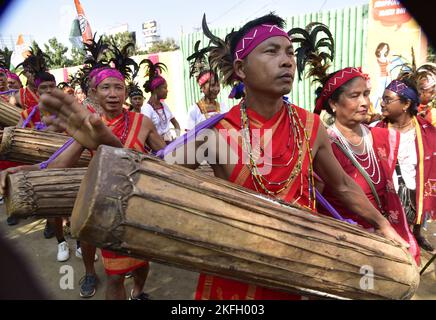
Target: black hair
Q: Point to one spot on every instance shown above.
(45, 76)
(413, 109)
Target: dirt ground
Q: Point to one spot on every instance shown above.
(163, 283)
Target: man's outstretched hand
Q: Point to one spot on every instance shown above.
(69, 115)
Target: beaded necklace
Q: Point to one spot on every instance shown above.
(126, 128)
(163, 119)
(203, 106)
(300, 136)
(367, 156)
(123, 137)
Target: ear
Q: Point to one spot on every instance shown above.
(332, 105)
(407, 105)
(239, 67)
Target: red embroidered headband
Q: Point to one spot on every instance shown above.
(336, 81)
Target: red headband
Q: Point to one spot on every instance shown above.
(205, 78)
(336, 81)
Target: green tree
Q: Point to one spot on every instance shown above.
(56, 52)
(163, 46)
(121, 39)
(77, 56)
(5, 57)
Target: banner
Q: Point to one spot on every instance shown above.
(392, 33)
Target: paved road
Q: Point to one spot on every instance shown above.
(164, 282)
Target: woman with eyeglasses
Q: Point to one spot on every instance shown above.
(415, 174)
(366, 154)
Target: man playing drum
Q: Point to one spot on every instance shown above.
(295, 144)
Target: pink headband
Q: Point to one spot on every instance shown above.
(39, 81)
(156, 82)
(94, 72)
(4, 70)
(256, 36)
(336, 81)
(205, 78)
(107, 73)
(15, 77)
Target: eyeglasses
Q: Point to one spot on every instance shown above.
(387, 101)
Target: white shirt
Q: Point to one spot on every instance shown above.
(407, 159)
(195, 116)
(161, 118)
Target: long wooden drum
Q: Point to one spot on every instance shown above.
(9, 114)
(31, 146)
(143, 207)
(43, 193)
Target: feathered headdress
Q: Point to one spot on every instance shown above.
(198, 60)
(66, 87)
(94, 59)
(74, 79)
(133, 89)
(153, 71)
(220, 57)
(122, 61)
(311, 50)
(410, 72)
(63, 85)
(96, 51)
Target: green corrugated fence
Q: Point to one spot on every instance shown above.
(349, 29)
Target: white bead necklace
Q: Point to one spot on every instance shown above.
(368, 154)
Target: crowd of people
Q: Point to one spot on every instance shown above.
(378, 171)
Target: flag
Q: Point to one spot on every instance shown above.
(20, 53)
(85, 28)
(76, 35)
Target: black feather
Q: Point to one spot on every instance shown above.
(122, 61)
(313, 51)
(214, 39)
(198, 60)
(220, 57)
(96, 51)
